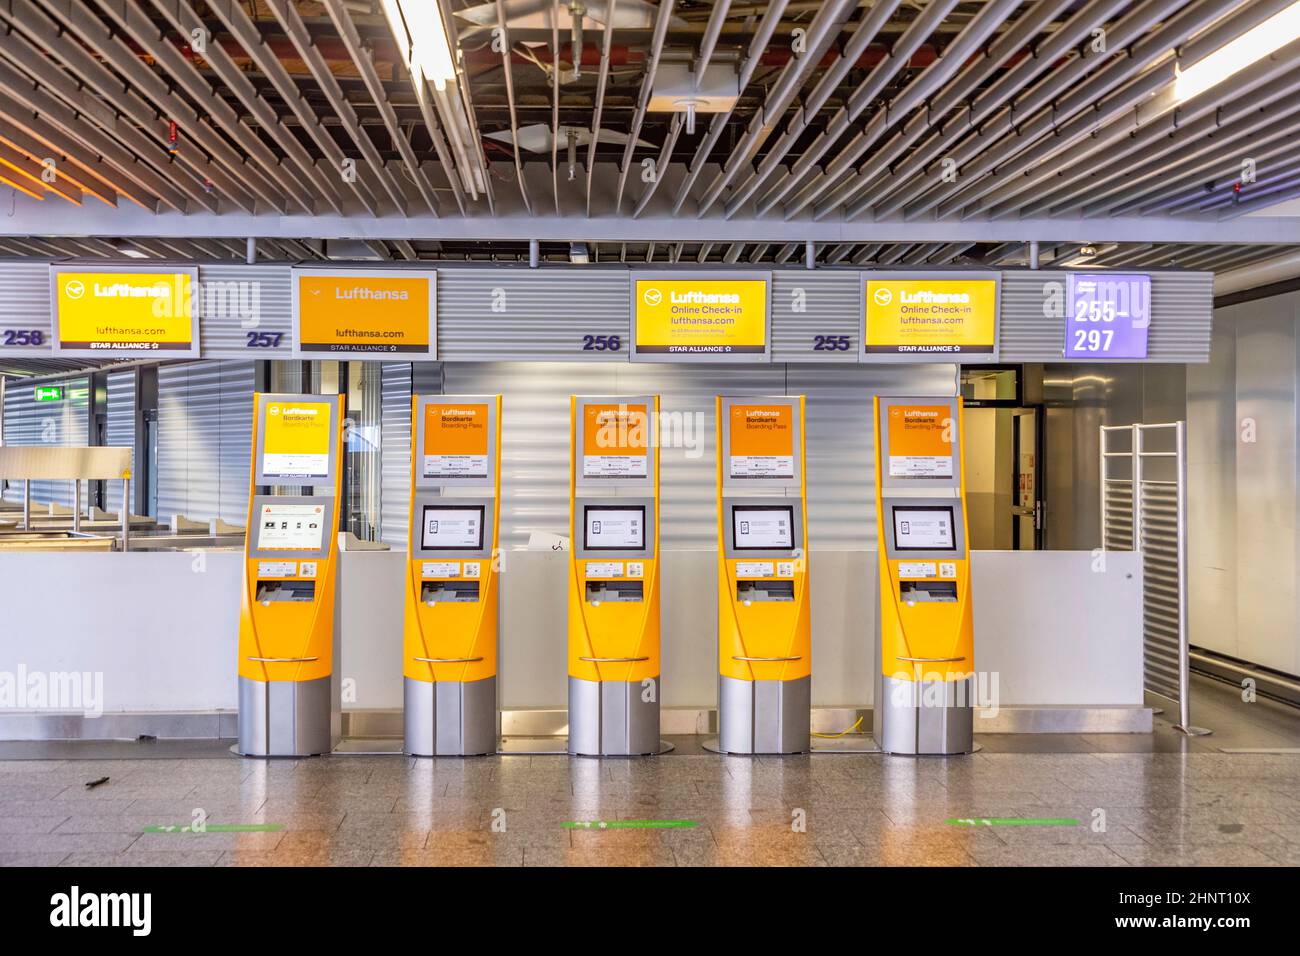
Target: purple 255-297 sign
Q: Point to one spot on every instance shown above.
(1109, 315)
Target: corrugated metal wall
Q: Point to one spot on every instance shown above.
(64, 424)
(538, 314)
(119, 428)
(519, 314)
(239, 299)
(815, 303)
(25, 291)
(205, 433)
(1180, 317)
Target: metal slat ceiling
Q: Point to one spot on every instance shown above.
(891, 111)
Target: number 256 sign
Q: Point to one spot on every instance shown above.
(1109, 315)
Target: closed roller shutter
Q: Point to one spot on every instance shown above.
(119, 428)
(841, 486)
(205, 433)
(62, 424)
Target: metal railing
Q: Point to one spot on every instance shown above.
(1144, 508)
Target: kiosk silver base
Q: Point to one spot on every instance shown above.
(611, 718)
(450, 718)
(924, 717)
(282, 718)
(764, 716)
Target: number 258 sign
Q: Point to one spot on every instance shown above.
(1109, 315)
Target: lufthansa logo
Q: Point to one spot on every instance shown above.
(883, 296)
(75, 289)
(652, 296)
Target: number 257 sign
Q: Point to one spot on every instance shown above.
(1109, 315)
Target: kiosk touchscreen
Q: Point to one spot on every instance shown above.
(450, 633)
(288, 688)
(764, 625)
(614, 576)
(925, 638)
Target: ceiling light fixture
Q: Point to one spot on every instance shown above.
(1255, 44)
(429, 48)
(430, 58)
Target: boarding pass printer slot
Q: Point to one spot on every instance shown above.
(269, 591)
(933, 592)
(748, 592)
(601, 592)
(459, 592)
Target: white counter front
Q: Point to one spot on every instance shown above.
(161, 627)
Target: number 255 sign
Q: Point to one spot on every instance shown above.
(1109, 315)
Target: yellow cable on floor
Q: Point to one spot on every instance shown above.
(844, 733)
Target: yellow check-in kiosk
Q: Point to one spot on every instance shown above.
(764, 620)
(614, 576)
(288, 686)
(449, 657)
(925, 647)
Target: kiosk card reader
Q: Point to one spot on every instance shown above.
(764, 625)
(614, 576)
(449, 660)
(288, 687)
(925, 649)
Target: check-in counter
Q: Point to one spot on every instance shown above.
(1057, 640)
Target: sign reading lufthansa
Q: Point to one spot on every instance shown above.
(122, 312)
(701, 316)
(367, 313)
(927, 317)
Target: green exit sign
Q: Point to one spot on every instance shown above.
(49, 393)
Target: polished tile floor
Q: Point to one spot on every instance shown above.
(1158, 799)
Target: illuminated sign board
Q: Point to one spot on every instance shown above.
(456, 440)
(297, 440)
(708, 317)
(1108, 316)
(365, 313)
(930, 317)
(920, 441)
(761, 439)
(615, 440)
(104, 314)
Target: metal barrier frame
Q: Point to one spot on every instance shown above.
(1138, 457)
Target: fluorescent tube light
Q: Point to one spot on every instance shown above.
(1255, 44)
(420, 33)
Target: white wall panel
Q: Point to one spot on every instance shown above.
(1053, 632)
(1243, 463)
